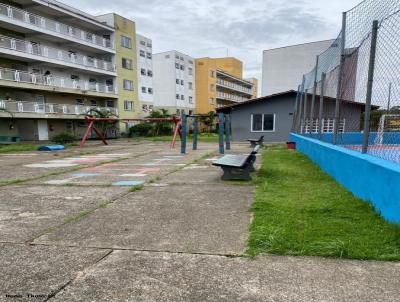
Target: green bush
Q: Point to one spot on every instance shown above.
(63, 138)
(143, 129)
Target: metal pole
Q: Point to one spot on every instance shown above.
(339, 86)
(301, 115)
(371, 70)
(195, 132)
(313, 95)
(389, 96)
(228, 132)
(183, 138)
(305, 100)
(221, 132)
(296, 109)
(321, 105)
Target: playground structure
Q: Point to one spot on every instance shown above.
(180, 128)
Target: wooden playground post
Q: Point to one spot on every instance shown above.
(228, 132)
(195, 132)
(221, 132)
(183, 135)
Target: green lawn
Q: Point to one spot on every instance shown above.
(17, 148)
(299, 210)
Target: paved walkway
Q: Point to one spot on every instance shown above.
(73, 229)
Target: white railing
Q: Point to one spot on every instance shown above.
(328, 125)
(40, 108)
(53, 81)
(52, 25)
(54, 53)
(231, 97)
(234, 86)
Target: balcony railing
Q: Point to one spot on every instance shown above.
(234, 86)
(54, 53)
(40, 108)
(52, 25)
(53, 81)
(230, 97)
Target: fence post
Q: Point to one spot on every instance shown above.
(339, 86)
(301, 116)
(195, 132)
(305, 100)
(228, 132)
(296, 109)
(183, 138)
(371, 69)
(321, 105)
(221, 132)
(313, 95)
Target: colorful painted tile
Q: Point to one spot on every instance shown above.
(134, 175)
(128, 183)
(84, 174)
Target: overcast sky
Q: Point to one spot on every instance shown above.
(215, 28)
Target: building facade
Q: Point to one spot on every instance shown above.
(126, 62)
(145, 74)
(283, 68)
(174, 82)
(55, 64)
(220, 82)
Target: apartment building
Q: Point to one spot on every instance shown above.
(283, 68)
(174, 82)
(220, 82)
(126, 61)
(145, 74)
(55, 63)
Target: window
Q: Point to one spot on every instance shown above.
(149, 44)
(126, 63)
(177, 81)
(182, 67)
(143, 71)
(93, 103)
(190, 100)
(142, 42)
(167, 56)
(262, 122)
(212, 87)
(149, 73)
(150, 90)
(190, 62)
(142, 53)
(190, 71)
(211, 101)
(177, 96)
(148, 55)
(128, 85)
(128, 105)
(144, 90)
(177, 65)
(79, 102)
(182, 82)
(126, 42)
(144, 108)
(176, 57)
(110, 104)
(212, 73)
(190, 85)
(182, 97)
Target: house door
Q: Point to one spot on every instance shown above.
(43, 130)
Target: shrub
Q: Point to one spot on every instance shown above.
(143, 129)
(63, 138)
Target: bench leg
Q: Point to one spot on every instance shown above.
(236, 173)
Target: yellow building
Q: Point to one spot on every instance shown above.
(219, 82)
(126, 67)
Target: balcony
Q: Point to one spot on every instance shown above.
(53, 81)
(16, 15)
(40, 52)
(233, 86)
(231, 97)
(40, 108)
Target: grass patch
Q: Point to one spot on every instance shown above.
(300, 210)
(136, 188)
(18, 148)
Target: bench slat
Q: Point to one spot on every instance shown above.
(231, 160)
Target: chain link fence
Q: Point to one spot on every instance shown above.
(351, 97)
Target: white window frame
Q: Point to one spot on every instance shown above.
(132, 103)
(126, 42)
(125, 81)
(262, 123)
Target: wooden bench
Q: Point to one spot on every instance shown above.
(237, 166)
(256, 142)
(4, 139)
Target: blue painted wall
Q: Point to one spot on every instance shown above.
(372, 179)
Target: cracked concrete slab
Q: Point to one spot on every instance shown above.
(27, 211)
(184, 218)
(41, 270)
(143, 276)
